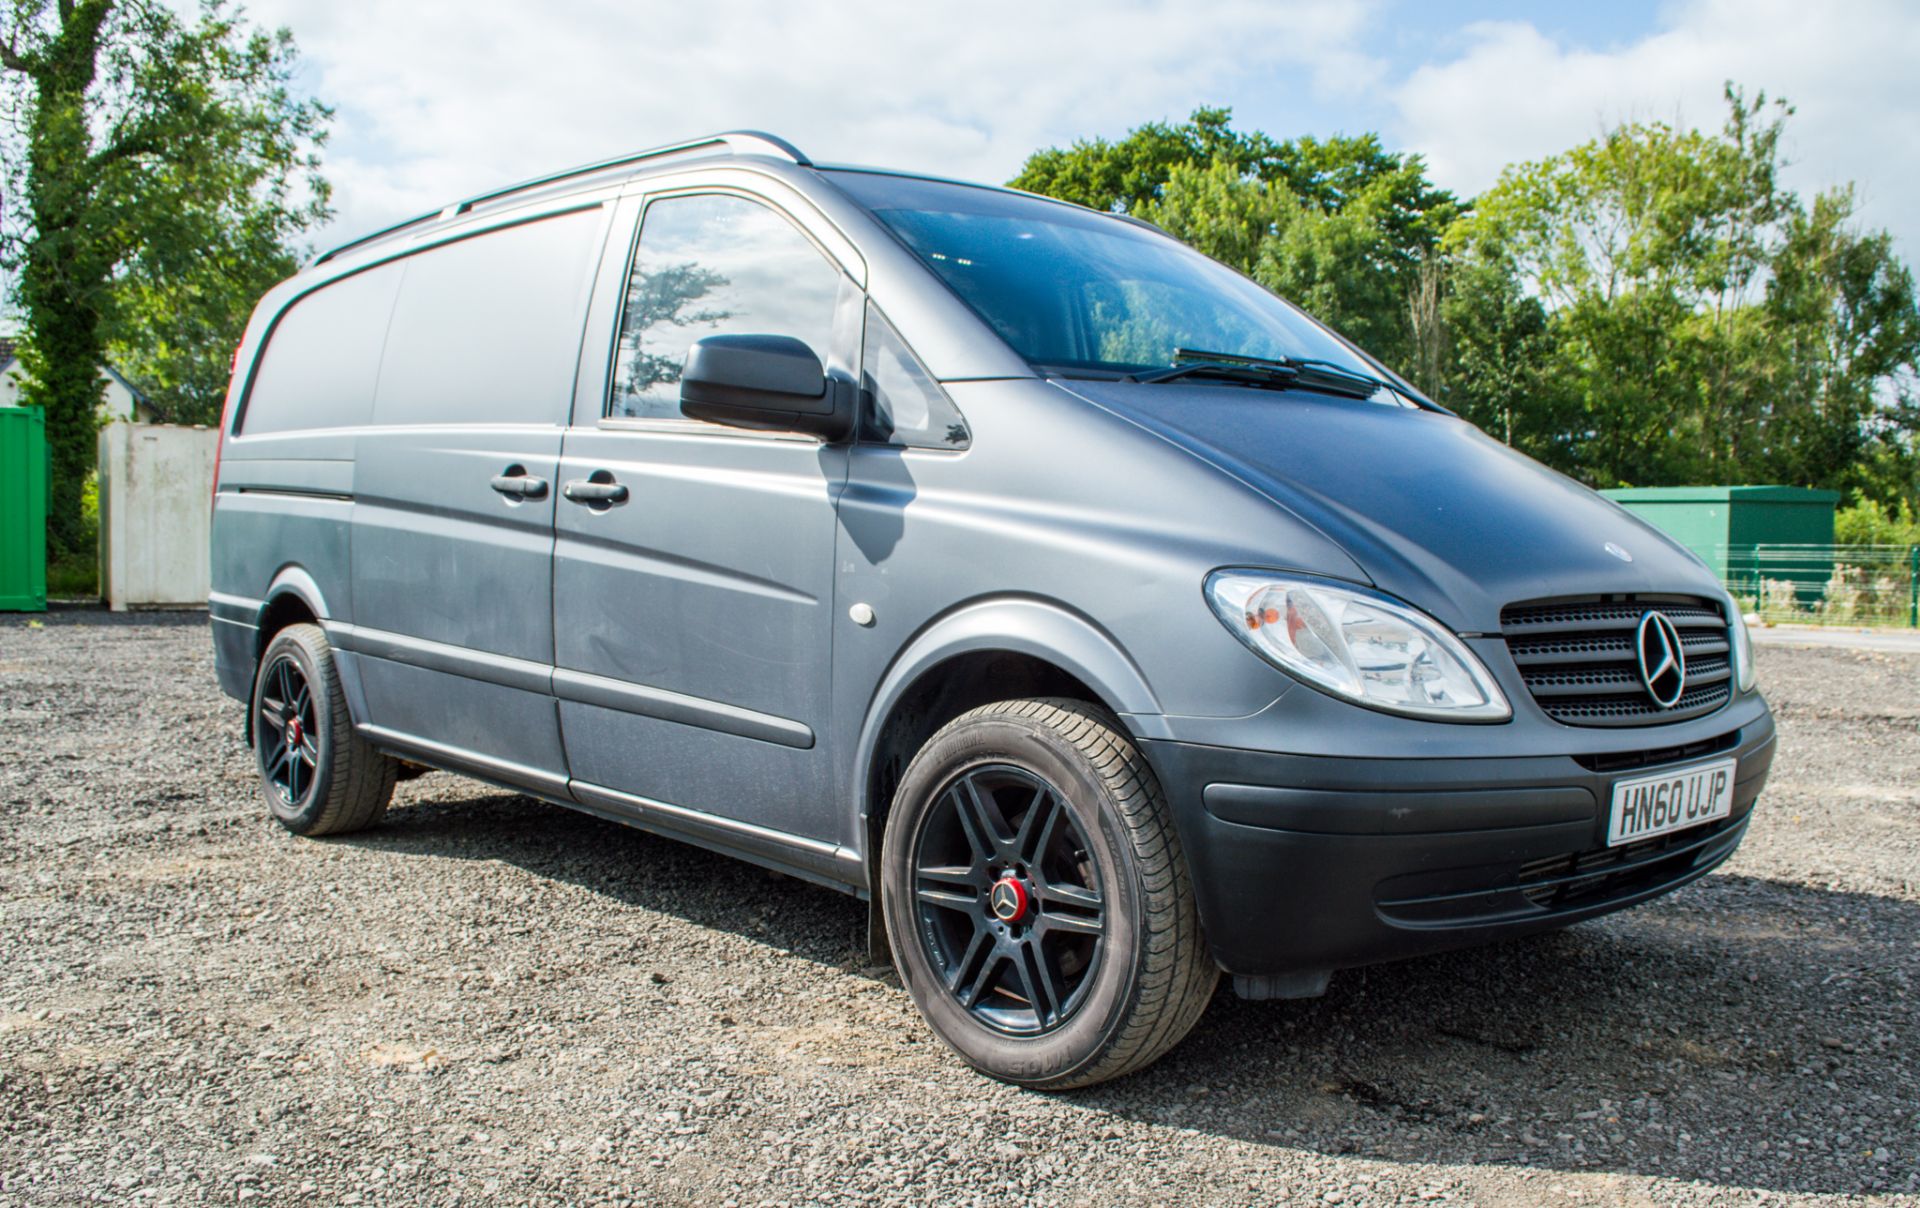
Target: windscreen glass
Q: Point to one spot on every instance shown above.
(1071, 290)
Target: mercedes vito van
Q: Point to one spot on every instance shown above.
(1100, 618)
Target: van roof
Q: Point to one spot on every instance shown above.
(725, 144)
(730, 142)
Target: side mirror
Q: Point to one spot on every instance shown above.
(767, 382)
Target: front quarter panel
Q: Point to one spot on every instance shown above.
(1063, 532)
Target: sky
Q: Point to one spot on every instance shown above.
(438, 99)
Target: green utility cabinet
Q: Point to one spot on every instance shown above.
(1728, 526)
(23, 509)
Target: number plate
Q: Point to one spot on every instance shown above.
(1646, 806)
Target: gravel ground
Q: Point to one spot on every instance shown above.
(489, 999)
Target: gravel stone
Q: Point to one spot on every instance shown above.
(492, 1000)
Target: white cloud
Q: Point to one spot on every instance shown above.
(439, 98)
(1513, 94)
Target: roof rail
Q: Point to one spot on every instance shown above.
(736, 142)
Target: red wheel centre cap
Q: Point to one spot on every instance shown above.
(1008, 899)
(295, 732)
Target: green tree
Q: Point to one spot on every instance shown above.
(1841, 318)
(1500, 364)
(1867, 522)
(1126, 174)
(164, 165)
(1651, 307)
(1705, 324)
(173, 326)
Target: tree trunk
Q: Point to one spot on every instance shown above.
(66, 271)
(64, 378)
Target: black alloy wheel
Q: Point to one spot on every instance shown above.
(318, 777)
(1035, 897)
(1010, 905)
(289, 731)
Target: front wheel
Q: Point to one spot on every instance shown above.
(1037, 900)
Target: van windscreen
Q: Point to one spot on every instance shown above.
(1071, 290)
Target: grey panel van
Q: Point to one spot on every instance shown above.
(1098, 617)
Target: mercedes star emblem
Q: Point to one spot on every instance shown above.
(1663, 661)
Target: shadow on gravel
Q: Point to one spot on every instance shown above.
(629, 866)
(1743, 1033)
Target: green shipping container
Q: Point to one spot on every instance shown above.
(1725, 525)
(23, 509)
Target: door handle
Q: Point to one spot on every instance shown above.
(518, 484)
(587, 490)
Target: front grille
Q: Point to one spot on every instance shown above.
(1571, 881)
(1577, 657)
(1627, 761)
(1576, 878)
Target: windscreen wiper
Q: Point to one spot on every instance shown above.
(1275, 373)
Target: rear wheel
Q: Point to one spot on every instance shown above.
(317, 776)
(1037, 900)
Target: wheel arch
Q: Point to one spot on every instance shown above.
(998, 649)
(293, 593)
(292, 598)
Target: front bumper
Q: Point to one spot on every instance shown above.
(1310, 863)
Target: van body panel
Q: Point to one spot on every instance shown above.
(1040, 629)
(257, 535)
(693, 618)
(426, 515)
(1062, 504)
(823, 863)
(475, 382)
(440, 557)
(266, 541)
(712, 582)
(510, 725)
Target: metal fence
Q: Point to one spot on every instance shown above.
(1826, 584)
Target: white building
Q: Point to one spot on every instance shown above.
(122, 401)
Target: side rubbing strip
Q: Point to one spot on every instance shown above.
(575, 686)
(238, 610)
(438, 656)
(674, 706)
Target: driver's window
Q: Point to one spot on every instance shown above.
(707, 265)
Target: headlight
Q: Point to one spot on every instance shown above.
(1356, 644)
(1743, 673)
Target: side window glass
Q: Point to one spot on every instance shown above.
(487, 328)
(323, 357)
(905, 405)
(706, 266)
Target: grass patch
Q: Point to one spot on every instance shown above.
(76, 576)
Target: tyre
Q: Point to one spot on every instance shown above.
(317, 775)
(1037, 900)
